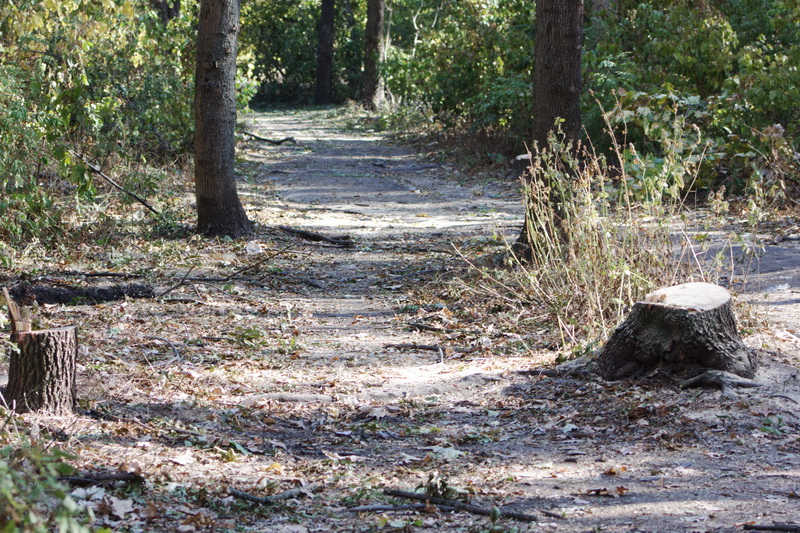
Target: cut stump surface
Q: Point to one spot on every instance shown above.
(683, 329)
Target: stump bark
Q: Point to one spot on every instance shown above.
(41, 372)
(684, 330)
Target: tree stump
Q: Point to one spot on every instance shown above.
(41, 372)
(683, 329)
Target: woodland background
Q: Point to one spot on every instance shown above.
(683, 102)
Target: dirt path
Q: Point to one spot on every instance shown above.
(636, 460)
(320, 368)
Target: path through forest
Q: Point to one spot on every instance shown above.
(345, 370)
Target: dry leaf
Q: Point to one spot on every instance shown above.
(253, 248)
(615, 470)
(183, 459)
(119, 507)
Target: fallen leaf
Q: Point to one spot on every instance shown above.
(446, 453)
(119, 507)
(615, 470)
(253, 248)
(373, 411)
(183, 459)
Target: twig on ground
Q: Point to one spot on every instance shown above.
(181, 282)
(116, 185)
(474, 509)
(270, 141)
(384, 507)
(171, 345)
(772, 527)
(260, 262)
(285, 495)
(414, 346)
(232, 276)
(426, 327)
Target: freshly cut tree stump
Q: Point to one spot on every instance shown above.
(41, 372)
(41, 376)
(683, 330)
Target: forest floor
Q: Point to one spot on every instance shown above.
(344, 370)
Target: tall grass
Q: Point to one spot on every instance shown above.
(593, 247)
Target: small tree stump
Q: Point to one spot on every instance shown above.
(41, 372)
(682, 329)
(41, 375)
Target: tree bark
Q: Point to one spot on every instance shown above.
(41, 375)
(323, 93)
(374, 54)
(683, 330)
(167, 10)
(557, 68)
(557, 81)
(219, 210)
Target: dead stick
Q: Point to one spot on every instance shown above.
(89, 479)
(171, 345)
(383, 507)
(474, 509)
(257, 263)
(414, 346)
(270, 141)
(119, 187)
(773, 527)
(426, 327)
(169, 290)
(285, 495)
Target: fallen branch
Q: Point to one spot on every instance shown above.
(474, 509)
(270, 141)
(89, 479)
(380, 507)
(119, 187)
(169, 290)
(426, 327)
(414, 346)
(285, 495)
(171, 345)
(773, 527)
(343, 240)
(232, 276)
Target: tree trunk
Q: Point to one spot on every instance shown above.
(167, 10)
(557, 68)
(374, 54)
(41, 376)
(682, 330)
(323, 94)
(556, 78)
(219, 211)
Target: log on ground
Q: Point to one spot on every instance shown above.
(682, 330)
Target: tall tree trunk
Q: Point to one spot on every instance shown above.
(557, 68)
(323, 94)
(219, 210)
(556, 78)
(351, 55)
(167, 9)
(374, 54)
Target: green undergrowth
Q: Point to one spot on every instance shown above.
(32, 498)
